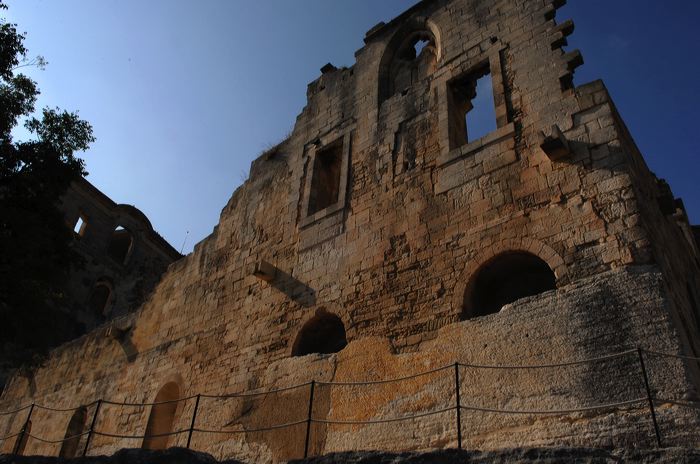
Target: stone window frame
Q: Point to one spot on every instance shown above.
(130, 252)
(312, 149)
(81, 216)
(504, 127)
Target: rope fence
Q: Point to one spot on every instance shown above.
(25, 434)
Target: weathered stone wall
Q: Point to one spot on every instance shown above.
(415, 215)
(590, 318)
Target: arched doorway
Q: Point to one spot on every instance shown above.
(76, 426)
(162, 417)
(324, 334)
(504, 279)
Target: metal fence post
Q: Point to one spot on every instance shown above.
(92, 427)
(308, 419)
(194, 417)
(20, 439)
(649, 398)
(459, 408)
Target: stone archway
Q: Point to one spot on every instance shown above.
(504, 279)
(76, 426)
(521, 245)
(162, 417)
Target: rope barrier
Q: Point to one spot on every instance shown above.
(44, 440)
(546, 366)
(7, 413)
(249, 394)
(157, 435)
(358, 383)
(555, 411)
(156, 403)
(397, 379)
(384, 421)
(263, 429)
(671, 355)
(47, 408)
(11, 436)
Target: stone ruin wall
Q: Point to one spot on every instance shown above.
(415, 220)
(130, 274)
(670, 238)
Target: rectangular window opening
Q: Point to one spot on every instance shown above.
(80, 225)
(473, 113)
(325, 179)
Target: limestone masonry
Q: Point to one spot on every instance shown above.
(391, 234)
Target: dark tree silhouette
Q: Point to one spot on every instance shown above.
(35, 242)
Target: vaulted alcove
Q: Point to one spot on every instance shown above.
(504, 279)
(162, 417)
(323, 334)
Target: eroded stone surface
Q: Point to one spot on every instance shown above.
(410, 218)
(520, 455)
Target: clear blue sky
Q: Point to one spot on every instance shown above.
(183, 95)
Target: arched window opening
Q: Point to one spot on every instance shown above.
(409, 59)
(420, 45)
(120, 245)
(22, 439)
(100, 299)
(80, 226)
(505, 279)
(322, 334)
(76, 426)
(162, 417)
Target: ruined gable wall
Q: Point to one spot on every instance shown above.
(417, 220)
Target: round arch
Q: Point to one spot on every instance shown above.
(524, 245)
(504, 279)
(71, 439)
(401, 46)
(162, 418)
(323, 333)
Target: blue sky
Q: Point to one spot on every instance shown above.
(184, 95)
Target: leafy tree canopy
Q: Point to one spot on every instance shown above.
(35, 242)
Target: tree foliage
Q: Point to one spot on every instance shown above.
(35, 242)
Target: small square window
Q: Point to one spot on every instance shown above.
(80, 225)
(325, 180)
